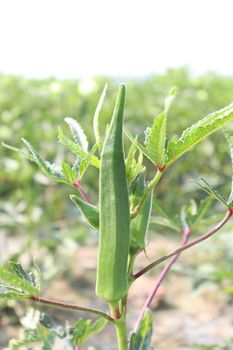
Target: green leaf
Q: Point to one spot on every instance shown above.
(96, 126)
(77, 149)
(46, 321)
(159, 220)
(47, 337)
(84, 329)
(130, 156)
(96, 327)
(197, 132)
(165, 219)
(69, 173)
(187, 213)
(77, 132)
(40, 329)
(36, 277)
(84, 163)
(155, 141)
(78, 332)
(17, 279)
(12, 289)
(191, 214)
(142, 339)
(211, 191)
(17, 269)
(156, 136)
(229, 139)
(142, 148)
(137, 166)
(46, 167)
(89, 211)
(210, 220)
(29, 337)
(8, 292)
(19, 151)
(39, 335)
(134, 166)
(139, 225)
(201, 211)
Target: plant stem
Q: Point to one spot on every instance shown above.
(147, 193)
(123, 305)
(84, 195)
(163, 274)
(71, 306)
(117, 312)
(121, 331)
(114, 308)
(131, 260)
(187, 245)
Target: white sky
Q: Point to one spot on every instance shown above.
(72, 38)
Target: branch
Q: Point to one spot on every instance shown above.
(71, 306)
(185, 236)
(84, 195)
(187, 245)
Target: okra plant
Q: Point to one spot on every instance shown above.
(122, 216)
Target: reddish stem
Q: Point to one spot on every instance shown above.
(71, 306)
(163, 274)
(84, 195)
(187, 245)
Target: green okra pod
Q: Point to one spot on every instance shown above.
(112, 282)
(139, 225)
